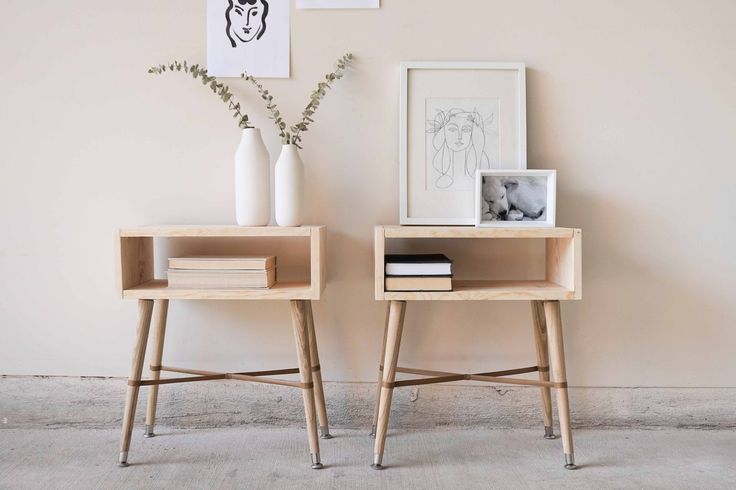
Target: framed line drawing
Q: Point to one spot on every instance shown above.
(515, 198)
(456, 118)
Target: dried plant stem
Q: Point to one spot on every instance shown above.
(293, 135)
(220, 89)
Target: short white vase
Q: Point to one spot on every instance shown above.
(252, 180)
(289, 188)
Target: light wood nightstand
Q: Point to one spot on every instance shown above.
(562, 281)
(137, 281)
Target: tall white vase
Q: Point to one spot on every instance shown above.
(289, 188)
(252, 180)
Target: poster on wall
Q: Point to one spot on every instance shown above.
(248, 36)
(338, 4)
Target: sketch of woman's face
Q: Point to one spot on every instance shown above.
(458, 140)
(246, 20)
(459, 131)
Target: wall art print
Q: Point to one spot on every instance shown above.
(248, 36)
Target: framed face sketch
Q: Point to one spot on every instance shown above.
(456, 118)
(248, 36)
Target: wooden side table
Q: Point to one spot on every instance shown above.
(562, 281)
(137, 281)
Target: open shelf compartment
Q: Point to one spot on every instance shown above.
(136, 263)
(563, 265)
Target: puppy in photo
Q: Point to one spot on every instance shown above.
(514, 198)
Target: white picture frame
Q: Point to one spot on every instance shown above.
(524, 208)
(466, 83)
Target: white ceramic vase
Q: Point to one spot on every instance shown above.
(289, 188)
(252, 180)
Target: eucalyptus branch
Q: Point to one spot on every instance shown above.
(220, 89)
(317, 96)
(293, 135)
(275, 115)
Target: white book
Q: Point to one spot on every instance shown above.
(418, 265)
(418, 269)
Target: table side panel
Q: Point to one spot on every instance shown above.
(379, 247)
(564, 262)
(317, 260)
(135, 262)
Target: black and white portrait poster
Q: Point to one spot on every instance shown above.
(248, 36)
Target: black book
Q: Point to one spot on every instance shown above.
(418, 265)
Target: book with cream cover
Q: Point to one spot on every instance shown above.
(223, 262)
(221, 279)
(423, 283)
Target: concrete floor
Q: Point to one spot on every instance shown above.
(278, 458)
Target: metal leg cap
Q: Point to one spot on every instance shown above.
(377, 466)
(324, 433)
(373, 432)
(123, 459)
(317, 466)
(548, 434)
(570, 462)
(123, 464)
(571, 466)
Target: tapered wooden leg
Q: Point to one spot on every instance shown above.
(319, 392)
(397, 309)
(540, 340)
(380, 373)
(145, 308)
(301, 336)
(559, 375)
(161, 309)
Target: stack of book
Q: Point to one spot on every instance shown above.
(418, 272)
(219, 272)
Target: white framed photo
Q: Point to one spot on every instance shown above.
(456, 118)
(515, 198)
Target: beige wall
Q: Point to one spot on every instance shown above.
(633, 102)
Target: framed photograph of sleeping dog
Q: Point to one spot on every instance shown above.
(456, 118)
(513, 199)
